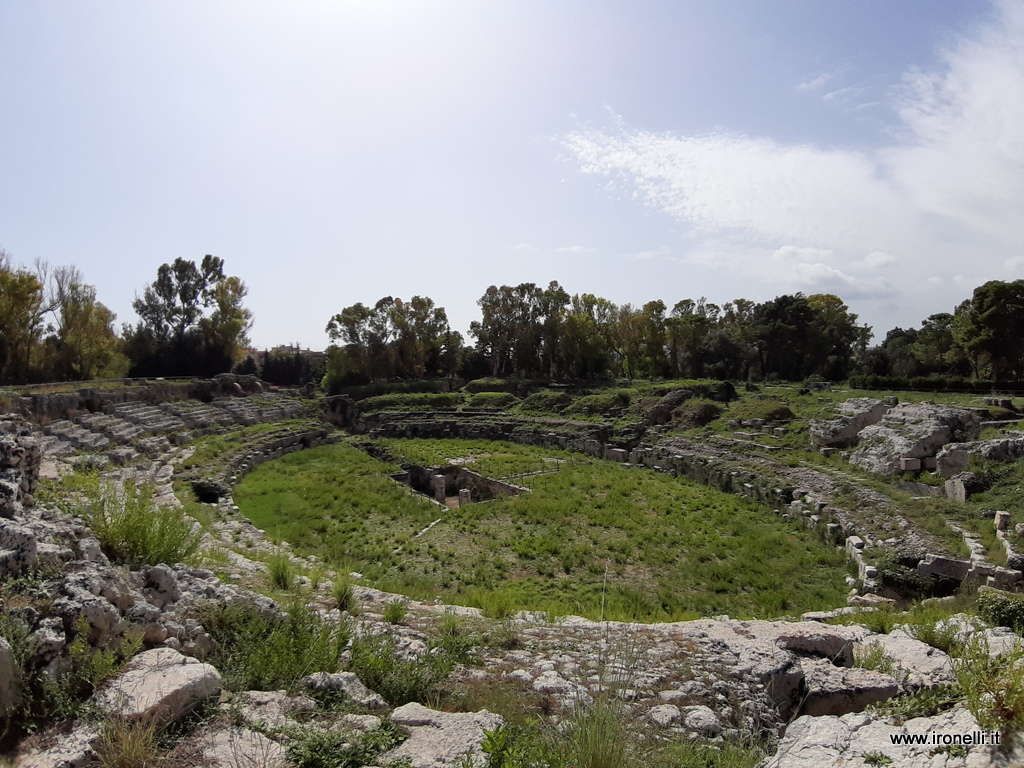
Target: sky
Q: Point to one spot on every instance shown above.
(336, 152)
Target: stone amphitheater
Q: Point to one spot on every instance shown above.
(792, 684)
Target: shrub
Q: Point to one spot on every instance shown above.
(546, 400)
(280, 570)
(492, 400)
(514, 386)
(316, 748)
(394, 612)
(875, 659)
(132, 530)
(375, 660)
(259, 652)
(1001, 609)
(698, 412)
(993, 687)
(761, 409)
(600, 403)
(411, 401)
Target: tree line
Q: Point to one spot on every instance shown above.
(192, 322)
(531, 331)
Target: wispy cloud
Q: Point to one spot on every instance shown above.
(815, 84)
(574, 249)
(948, 187)
(662, 252)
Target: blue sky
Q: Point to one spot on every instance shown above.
(334, 152)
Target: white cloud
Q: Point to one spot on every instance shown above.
(790, 253)
(574, 249)
(947, 189)
(1015, 263)
(878, 259)
(814, 84)
(664, 251)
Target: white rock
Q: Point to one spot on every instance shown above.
(702, 720)
(441, 739)
(349, 684)
(158, 685)
(664, 715)
(242, 748)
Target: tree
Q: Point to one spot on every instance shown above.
(990, 328)
(83, 342)
(21, 305)
(936, 348)
(226, 330)
(174, 302)
(836, 337)
(174, 336)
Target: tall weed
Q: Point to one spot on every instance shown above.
(132, 530)
(257, 652)
(377, 663)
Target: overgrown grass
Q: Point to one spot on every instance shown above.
(261, 652)
(211, 451)
(377, 663)
(132, 530)
(672, 549)
(61, 695)
(281, 571)
(317, 748)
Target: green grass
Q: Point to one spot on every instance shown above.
(259, 652)
(211, 451)
(132, 530)
(672, 549)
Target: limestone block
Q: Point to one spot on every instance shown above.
(161, 586)
(10, 506)
(441, 738)
(702, 720)
(937, 566)
(908, 464)
(664, 715)
(235, 747)
(9, 679)
(835, 690)
(814, 742)
(924, 666)
(20, 542)
(272, 708)
(349, 684)
(1002, 520)
(70, 750)
(834, 643)
(160, 685)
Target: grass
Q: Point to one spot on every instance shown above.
(132, 530)
(672, 549)
(211, 451)
(315, 748)
(259, 652)
(377, 663)
(281, 571)
(342, 595)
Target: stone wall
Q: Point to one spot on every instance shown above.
(457, 479)
(19, 465)
(52, 406)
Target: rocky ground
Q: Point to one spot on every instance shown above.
(792, 684)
